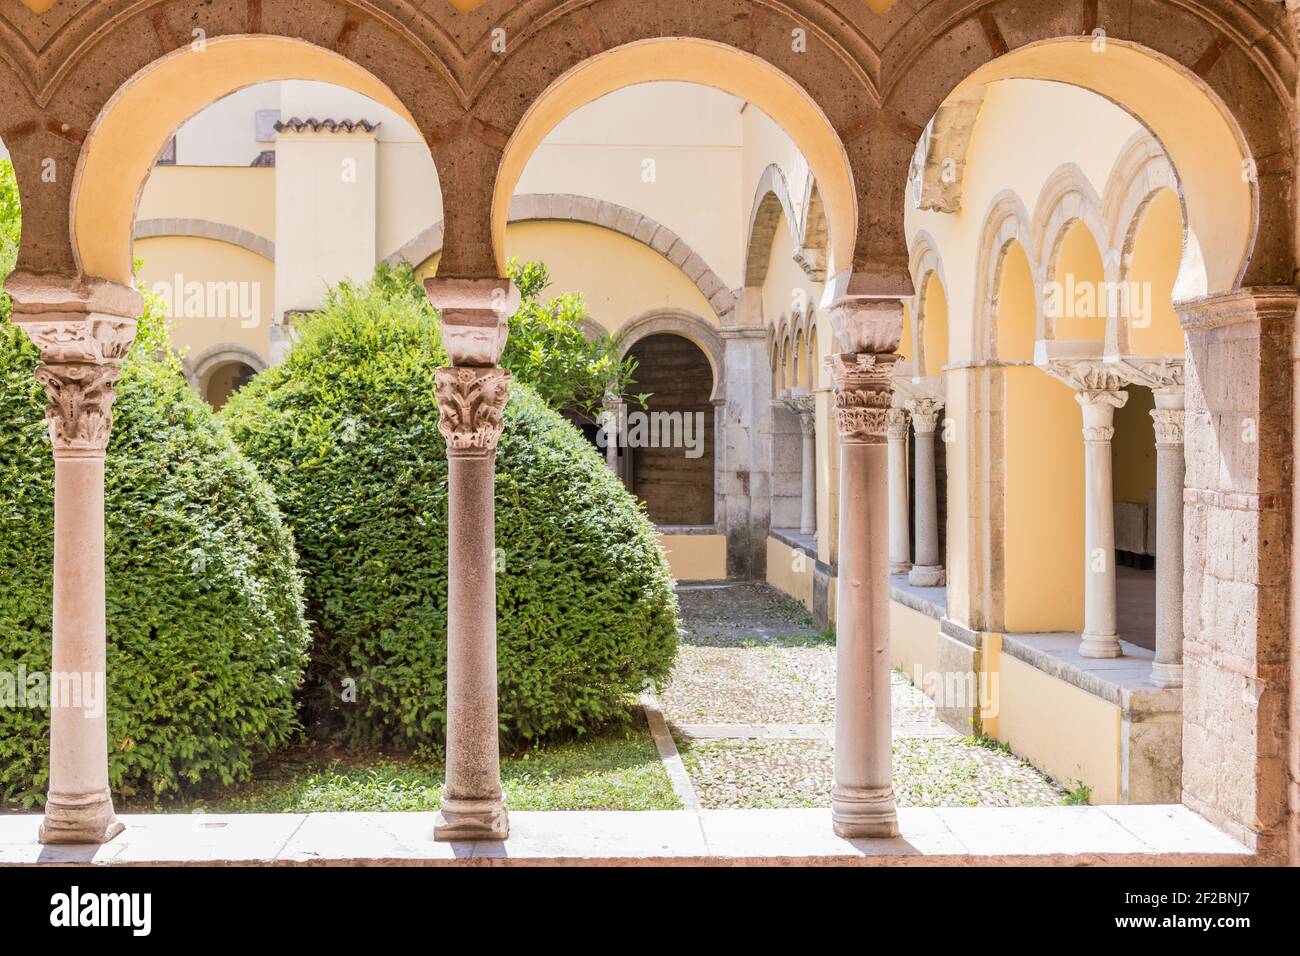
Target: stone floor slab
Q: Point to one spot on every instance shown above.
(950, 836)
(786, 835)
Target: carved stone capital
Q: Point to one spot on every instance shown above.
(867, 325)
(925, 415)
(1099, 412)
(1168, 425)
(1164, 373)
(862, 394)
(470, 403)
(896, 424)
(804, 405)
(80, 413)
(1087, 375)
(475, 317)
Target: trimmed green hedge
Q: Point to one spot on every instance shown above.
(206, 637)
(346, 431)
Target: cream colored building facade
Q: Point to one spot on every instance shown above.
(1047, 234)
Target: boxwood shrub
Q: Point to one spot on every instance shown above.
(346, 429)
(206, 635)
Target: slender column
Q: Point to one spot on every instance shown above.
(1167, 669)
(900, 537)
(83, 329)
(928, 570)
(472, 395)
(862, 798)
(804, 405)
(79, 805)
(1100, 632)
(1099, 390)
(612, 419)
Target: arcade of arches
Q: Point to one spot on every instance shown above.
(968, 325)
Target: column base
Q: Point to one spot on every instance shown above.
(471, 820)
(900, 567)
(79, 819)
(922, 576)
(1166, 675)
(1100, 645)
(858, 812)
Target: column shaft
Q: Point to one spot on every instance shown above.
(1100, 637)
(1167, 669)
(862, 798)
(900, 535)
(470, 402)
(79, 805)
(808, 491)
(928, 570)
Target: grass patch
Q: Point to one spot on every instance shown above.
(616, 769)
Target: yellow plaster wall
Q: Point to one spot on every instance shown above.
(696, 557)
(239, 196)
(790, 571)
(913, 641)
(620, 277)
(209, 261)
(1156, 252)
(1081, 276)
(1062, 730)
(935, 334)
(1044, 508)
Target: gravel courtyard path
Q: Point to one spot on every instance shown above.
(751, 704)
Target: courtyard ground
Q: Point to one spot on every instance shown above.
(749, 713)
(751, 704)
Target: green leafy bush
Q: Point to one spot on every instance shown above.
(346, 429)
(206, 636)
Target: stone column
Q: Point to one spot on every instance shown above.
(862, 798)
(1100, 632)
(472, 395)
(612, 420)
(747, 437)
(1099, 391)
(804, 405)
(928, 571)
(1165, 379)
(82, 347)
(900, 536)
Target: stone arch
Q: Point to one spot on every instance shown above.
(197, 367)
(1006, 222)
(206, 229)
(1212, 80)
(748, 56)
(566, 207)
(1141, 171)
(147, 96)
(940, 162)
(771, 204)
(1066, 197)
(925, 262)
(814, 236)
(689, 326)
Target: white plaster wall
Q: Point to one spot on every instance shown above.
(224, 134)
(325, 194)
